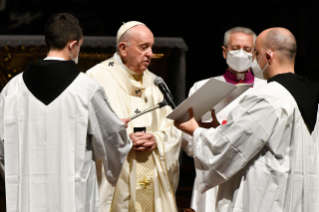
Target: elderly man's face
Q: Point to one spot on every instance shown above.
(239, 41)
(139, 51)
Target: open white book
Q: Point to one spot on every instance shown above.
(214, 94)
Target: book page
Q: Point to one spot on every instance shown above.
(213, 94)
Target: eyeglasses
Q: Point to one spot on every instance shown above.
(246, 49)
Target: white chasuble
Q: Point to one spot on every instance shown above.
(145, 163)
(148, 181)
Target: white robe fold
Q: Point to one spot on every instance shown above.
(49, 151)
(121, 92)
(263, 159)
(204, 202)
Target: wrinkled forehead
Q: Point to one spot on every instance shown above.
(141, 34)
(241, 39)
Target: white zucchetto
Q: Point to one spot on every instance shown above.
(126, 26)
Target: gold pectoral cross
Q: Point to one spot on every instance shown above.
(144, 183)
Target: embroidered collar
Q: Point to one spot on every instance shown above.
(118, 59)
(125, 80)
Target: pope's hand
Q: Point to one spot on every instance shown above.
(213, 124)
(188, 126)
(126, 121)
(143, 141)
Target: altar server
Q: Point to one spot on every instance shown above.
(266, 157)
(238, 49)
(54, 123)
(150, 175)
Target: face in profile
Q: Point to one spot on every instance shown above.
(137, 53)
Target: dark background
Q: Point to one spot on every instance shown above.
(201, 24)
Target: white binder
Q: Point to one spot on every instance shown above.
(214, 94)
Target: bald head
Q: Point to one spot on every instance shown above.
(275, 52)
(282, 41)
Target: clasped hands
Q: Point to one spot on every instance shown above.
(191, 124)
(141, 141)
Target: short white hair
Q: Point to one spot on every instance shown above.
(125, 39)
(238, 29)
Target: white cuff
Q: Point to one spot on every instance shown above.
(196, 140)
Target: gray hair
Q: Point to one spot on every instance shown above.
(238, 29)
(124, 38)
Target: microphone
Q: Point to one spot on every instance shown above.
(159, 105)
(168, 97)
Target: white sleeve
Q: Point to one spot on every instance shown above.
(187, 140)
(220, 153)
(2, 167)
(315, 132)
(187, 144)
(108, 134)
(168, 138)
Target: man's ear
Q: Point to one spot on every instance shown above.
(72, 45)
(224, 52)
(122, 48)
(269, 56)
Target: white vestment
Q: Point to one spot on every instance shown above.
(49, 151)
(126, 98)
(263, 159)
(204, 202)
